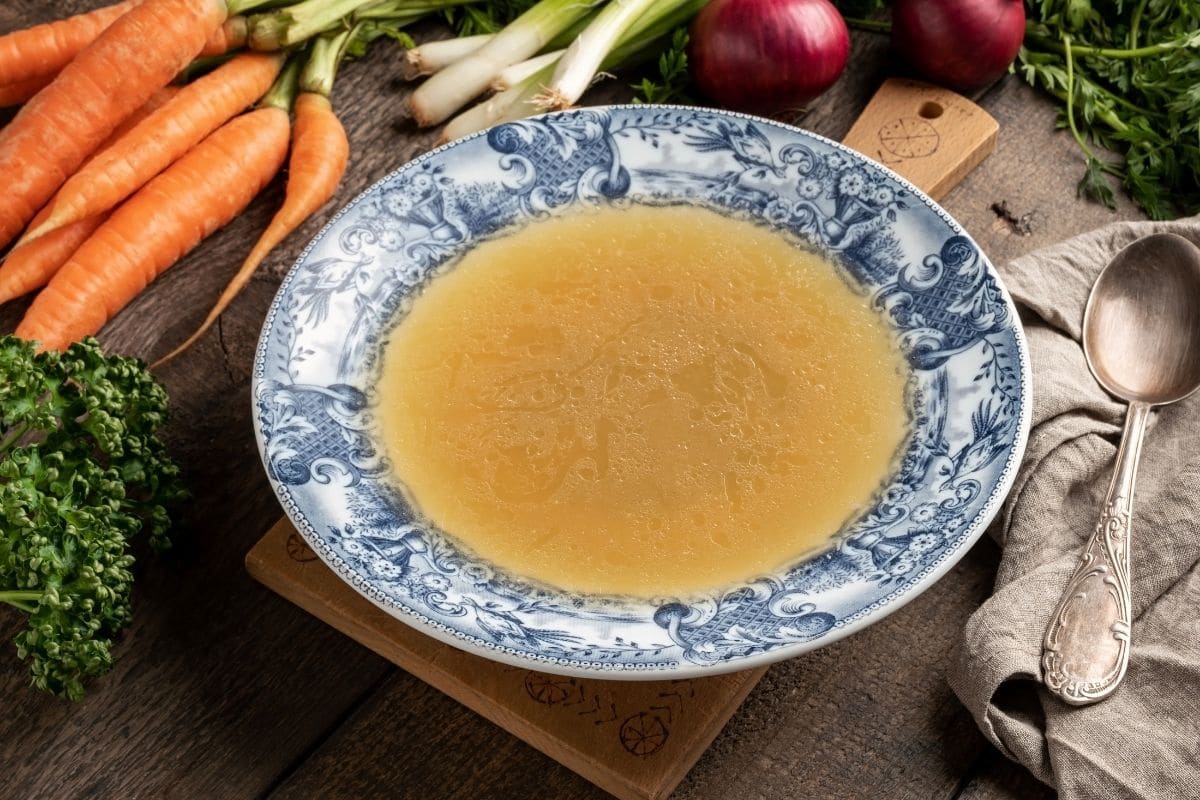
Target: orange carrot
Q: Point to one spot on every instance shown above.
(64, 123)
(320, 150)
(230, 36)
(31, 266)
(45, 49)
(200, 108)
(198, 194)
(13, 94)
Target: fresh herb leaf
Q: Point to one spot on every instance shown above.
(1130, 72)
(82, 474)
(490, 17)
(1094, 184)
(673, 80)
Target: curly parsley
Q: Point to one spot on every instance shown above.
(82, 473)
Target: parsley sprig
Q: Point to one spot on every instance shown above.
(82, 474)
(673, 81)
(1128, 74)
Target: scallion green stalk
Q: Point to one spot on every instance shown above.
(578, 67)
(511, 75)
(431, 57)
(464, 80)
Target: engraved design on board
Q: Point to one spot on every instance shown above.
(641, 733)
(548, 689)
(298, 550)
(907, 137)
(1103, 563)
(644, 734)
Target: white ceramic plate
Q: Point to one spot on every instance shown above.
(318, 358)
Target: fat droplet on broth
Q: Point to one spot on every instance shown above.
(645, 401)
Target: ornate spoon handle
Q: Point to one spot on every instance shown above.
(1087, 642)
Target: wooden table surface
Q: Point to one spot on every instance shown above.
(223, 690)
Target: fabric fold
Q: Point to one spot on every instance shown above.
(1144, 741)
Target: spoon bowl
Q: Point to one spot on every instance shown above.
(1141, 328)
(1141, 338)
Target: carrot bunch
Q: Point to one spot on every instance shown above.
(114, 171)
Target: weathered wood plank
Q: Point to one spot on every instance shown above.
(1034, 172)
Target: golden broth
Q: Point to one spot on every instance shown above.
(648, 401)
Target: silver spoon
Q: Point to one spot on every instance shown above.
(1141, 337)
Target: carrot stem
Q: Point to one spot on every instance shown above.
(321, 68)
(299, 22)
(230, 36)
(242, 6)
(282, 93)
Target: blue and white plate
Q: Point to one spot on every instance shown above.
(319, 355)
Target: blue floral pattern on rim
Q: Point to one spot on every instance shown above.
(969, 388)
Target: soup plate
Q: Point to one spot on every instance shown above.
(319, 355)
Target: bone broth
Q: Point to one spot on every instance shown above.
(649, 401)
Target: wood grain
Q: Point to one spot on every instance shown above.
(634, 739)
(223, 690)
(932, 136)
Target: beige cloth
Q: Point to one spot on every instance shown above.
(1144, 741)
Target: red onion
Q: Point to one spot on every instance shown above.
(963, 44)
(767, 56)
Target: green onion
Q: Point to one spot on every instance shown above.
(644, 38)
(464, 80)
(433, 57)
(510, 76)
(513, 103)
(578, 67)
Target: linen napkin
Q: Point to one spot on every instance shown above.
(1143, 741)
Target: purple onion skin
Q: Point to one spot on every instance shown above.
(767, 57)
(962, 44)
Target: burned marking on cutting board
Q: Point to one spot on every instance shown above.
(907, 137)
(641, 733)
(298, 550)
(549, 689)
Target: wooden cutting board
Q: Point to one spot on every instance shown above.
(636, 740)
